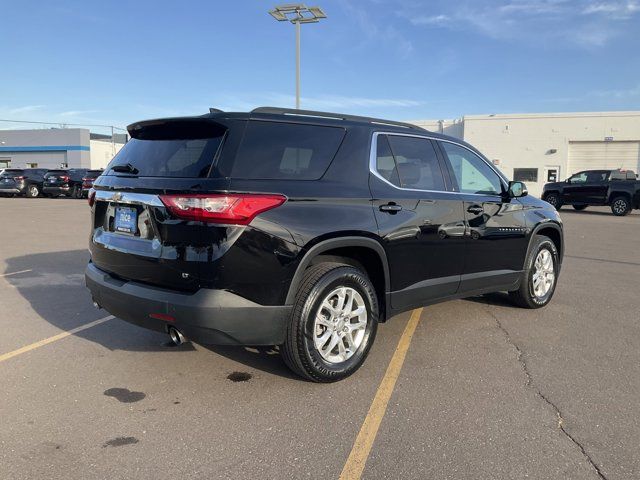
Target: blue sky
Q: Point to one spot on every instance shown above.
(116, 62)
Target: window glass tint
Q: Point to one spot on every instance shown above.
(417, 163)
(189, 158)
(525, 174)
(275, 150)
(472, 173)
(597, 176)
(579, 178)
(385, 163)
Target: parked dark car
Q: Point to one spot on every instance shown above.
(88, 179)
(618, 189)
(22, 181)
(67, 182)
(305, 229)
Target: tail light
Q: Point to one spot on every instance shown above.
(91, 197)
(236, 209)
(64, 178)
(19, 178)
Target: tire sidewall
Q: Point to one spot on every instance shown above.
(30, 188)
(555, 204)
(341, 277)
(543, 244)
(627, 206)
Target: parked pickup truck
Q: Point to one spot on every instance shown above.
(619, 189)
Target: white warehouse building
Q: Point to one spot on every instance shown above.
(539, 148)
(57, 148)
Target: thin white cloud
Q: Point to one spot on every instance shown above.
(615, 10)
(583, 23)
(25, 109)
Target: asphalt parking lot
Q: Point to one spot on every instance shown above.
(486, 390)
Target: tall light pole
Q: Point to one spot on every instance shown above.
(297, 14)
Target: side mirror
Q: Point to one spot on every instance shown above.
(517, 189)
(568, 180)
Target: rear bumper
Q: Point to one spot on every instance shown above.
(55, 190)
(213, 317)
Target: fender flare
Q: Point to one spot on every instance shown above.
(330, 244)
(535, 231)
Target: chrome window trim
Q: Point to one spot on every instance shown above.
(129, 198)
(373, 160)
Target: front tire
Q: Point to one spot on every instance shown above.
(554, 200)
(621, 206)
(333, 323)
(540, 276)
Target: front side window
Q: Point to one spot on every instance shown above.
(579, 178)
(409, 162)
(471, 172)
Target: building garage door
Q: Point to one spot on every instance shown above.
(603, 155)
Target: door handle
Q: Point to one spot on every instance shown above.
(475, 209)
(390, 208)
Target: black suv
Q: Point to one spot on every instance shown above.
(305, 229)
(22, 181)
(617, 188)
(67, 182)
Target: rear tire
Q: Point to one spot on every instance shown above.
(333, 323)
(580, 207)
(32, 191)
(554, 200)
(621, 206)
(540, 276)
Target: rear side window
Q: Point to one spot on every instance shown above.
(275, 150)
(191, 158)
(416, 163)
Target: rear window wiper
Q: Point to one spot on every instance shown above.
(125, 168)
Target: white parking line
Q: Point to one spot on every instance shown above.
(14, 273)
(46, 341)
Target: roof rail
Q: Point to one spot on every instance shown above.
(336, 116)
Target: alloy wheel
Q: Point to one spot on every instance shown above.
(544, 275)
(620, 206)
(340, 324)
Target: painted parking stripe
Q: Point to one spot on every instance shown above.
(13, 273)
(55, 338)
(354, 466)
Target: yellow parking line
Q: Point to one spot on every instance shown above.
(14, 273)
(354, 466)
(55, 338)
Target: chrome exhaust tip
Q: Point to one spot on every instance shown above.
(176, 336)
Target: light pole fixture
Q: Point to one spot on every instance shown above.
(297, 13)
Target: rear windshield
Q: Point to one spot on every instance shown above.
(93, 173)
(56, 172)
(276, 150)
(12, 171)
(168, 158)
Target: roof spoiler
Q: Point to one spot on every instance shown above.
(178, 128)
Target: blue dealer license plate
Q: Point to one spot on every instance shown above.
(126, 220)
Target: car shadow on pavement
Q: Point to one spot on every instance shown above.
(266, 359)
(499, 299)
(53, 284)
